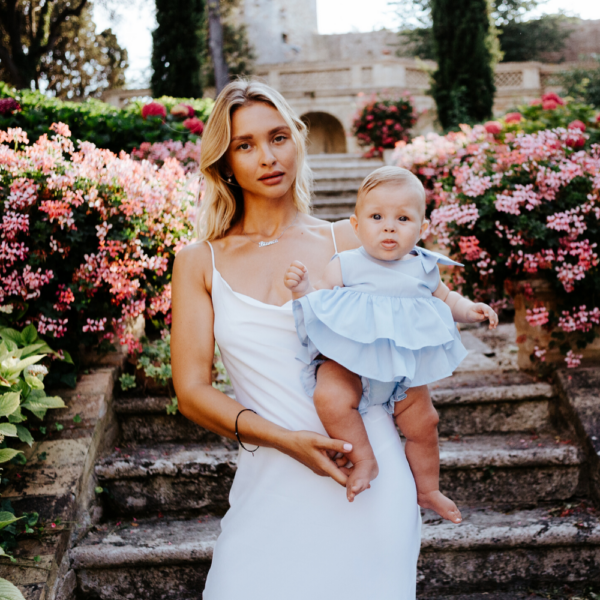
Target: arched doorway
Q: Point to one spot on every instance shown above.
(325, 134)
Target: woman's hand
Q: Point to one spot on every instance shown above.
(313, 450)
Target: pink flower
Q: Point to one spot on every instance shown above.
(513, 117)
(551, 96)
(537, 317)
(493, 127)
(8, 106)
(469, 247)
(577, 125)
(549, 104)
(573, 360)
(575, 139)
(154, 109)
(61, 129)
(183, 111)
(535, 102)
(195, 125)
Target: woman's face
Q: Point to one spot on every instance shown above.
(262, 154)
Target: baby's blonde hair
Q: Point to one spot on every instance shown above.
(391, 176)
(223, 202)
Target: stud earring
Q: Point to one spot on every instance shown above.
(229, 180)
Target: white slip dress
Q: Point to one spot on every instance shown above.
(290, 534)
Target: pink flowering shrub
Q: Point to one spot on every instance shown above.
(550, 112)
(87, 238)
(187, 154)
(516, 207)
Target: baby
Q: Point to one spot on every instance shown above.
(379, 329)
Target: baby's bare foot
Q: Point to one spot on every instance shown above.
(442, 505)
(360, 477)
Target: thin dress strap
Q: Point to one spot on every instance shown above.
(333, 236)
(212, 253)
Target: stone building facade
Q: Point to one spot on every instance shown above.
(327, 77)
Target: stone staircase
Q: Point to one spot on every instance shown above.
(507, 456)
(337, 179)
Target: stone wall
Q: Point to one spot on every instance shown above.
(279, 30)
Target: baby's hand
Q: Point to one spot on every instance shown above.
(296, 278)
(480, 312)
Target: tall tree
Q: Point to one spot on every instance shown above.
(237, 51)
(28, 32)
(216, 43)
(178, 45)
(83, 64)
(463, 85)
(520, 37)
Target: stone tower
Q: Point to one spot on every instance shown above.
(280, 30)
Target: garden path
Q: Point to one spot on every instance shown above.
(508, 459)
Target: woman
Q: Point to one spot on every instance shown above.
(290, 533)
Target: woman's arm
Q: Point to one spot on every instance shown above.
(192, 352)
(463, 310)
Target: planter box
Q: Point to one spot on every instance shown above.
(528, 337)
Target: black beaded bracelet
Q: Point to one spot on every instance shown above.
(237, 435)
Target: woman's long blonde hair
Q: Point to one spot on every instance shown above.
(223, 203)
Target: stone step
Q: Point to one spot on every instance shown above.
(146, 420)
(510, 468)
(468, 405)
(500, 408)
(500, 468)
(331, 185)
(341, 171)
(491, 550)
(333, 217)
(168, 477)
(323, 202)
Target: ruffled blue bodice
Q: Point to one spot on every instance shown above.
(384, 324)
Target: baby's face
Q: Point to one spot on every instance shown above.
(390, 221)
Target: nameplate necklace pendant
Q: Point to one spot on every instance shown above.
(265, 244)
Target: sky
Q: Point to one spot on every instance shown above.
(136, 21)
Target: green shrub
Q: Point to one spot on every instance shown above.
(102, 124)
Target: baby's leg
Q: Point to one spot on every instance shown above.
(337, 396)
(417, 419)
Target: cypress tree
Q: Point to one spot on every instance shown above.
(463, 86)
(177, 47)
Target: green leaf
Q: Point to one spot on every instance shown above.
(12, 335)
(67, 357)
(6, 518)
(17, 416)
(29, 334)
(34, 382)
(40, 348)
(9, 403)
(7, 454)
(8, 429)
(46, 402)
(24, 434)
(8, 591)
(77, 418)
(26, 362)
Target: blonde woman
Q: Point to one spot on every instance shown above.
(290, 532)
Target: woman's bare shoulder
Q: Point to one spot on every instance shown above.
(344, 236)
(194, 263)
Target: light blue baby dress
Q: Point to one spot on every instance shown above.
(384, 325)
